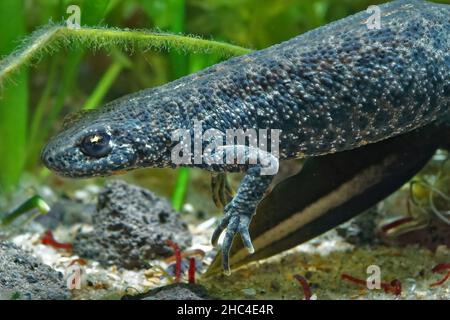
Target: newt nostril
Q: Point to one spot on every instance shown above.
(47, 157)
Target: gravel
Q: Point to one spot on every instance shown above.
(25, 277)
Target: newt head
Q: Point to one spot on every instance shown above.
(101, 142)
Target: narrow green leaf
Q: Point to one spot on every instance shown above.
(35, 202)
(180, 188)
(13, 101)
(103, 86)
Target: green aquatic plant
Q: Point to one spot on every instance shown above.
(32, 204)
(105, 83)
(181, 185)
(15, 295)
(13, 125)
(49, 39)
(433, 193)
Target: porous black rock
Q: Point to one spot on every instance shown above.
(22, 276)
(131, 226)
(361, 230)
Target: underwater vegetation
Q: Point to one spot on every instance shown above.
(50, 70)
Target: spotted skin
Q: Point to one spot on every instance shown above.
(332, 89)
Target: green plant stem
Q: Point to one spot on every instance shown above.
(103, 86)
(180, 188)
(14, 102)
(35, 202)
(50, 38)
(107, 80)
(179, 65)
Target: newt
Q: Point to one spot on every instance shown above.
(336, 88)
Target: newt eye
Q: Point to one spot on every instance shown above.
(96, 145)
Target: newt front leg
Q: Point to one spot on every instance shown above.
(262, 166)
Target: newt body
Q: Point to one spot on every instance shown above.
(332, 89)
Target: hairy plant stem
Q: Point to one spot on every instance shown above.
(50, 38)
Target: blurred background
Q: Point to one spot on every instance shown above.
(35, 101)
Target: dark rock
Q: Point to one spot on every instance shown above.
(131, 226)
(361, 230)
(177, 291)
(24, 277)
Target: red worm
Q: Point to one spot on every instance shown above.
(186, 254)
(80, 261)
(441, 267)
(438, 269)
(442, 281)
(177, 250)
(49, 240)
(305, 285)
(395, 223)
(350, 278)
(191, 270)
(394, 287)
